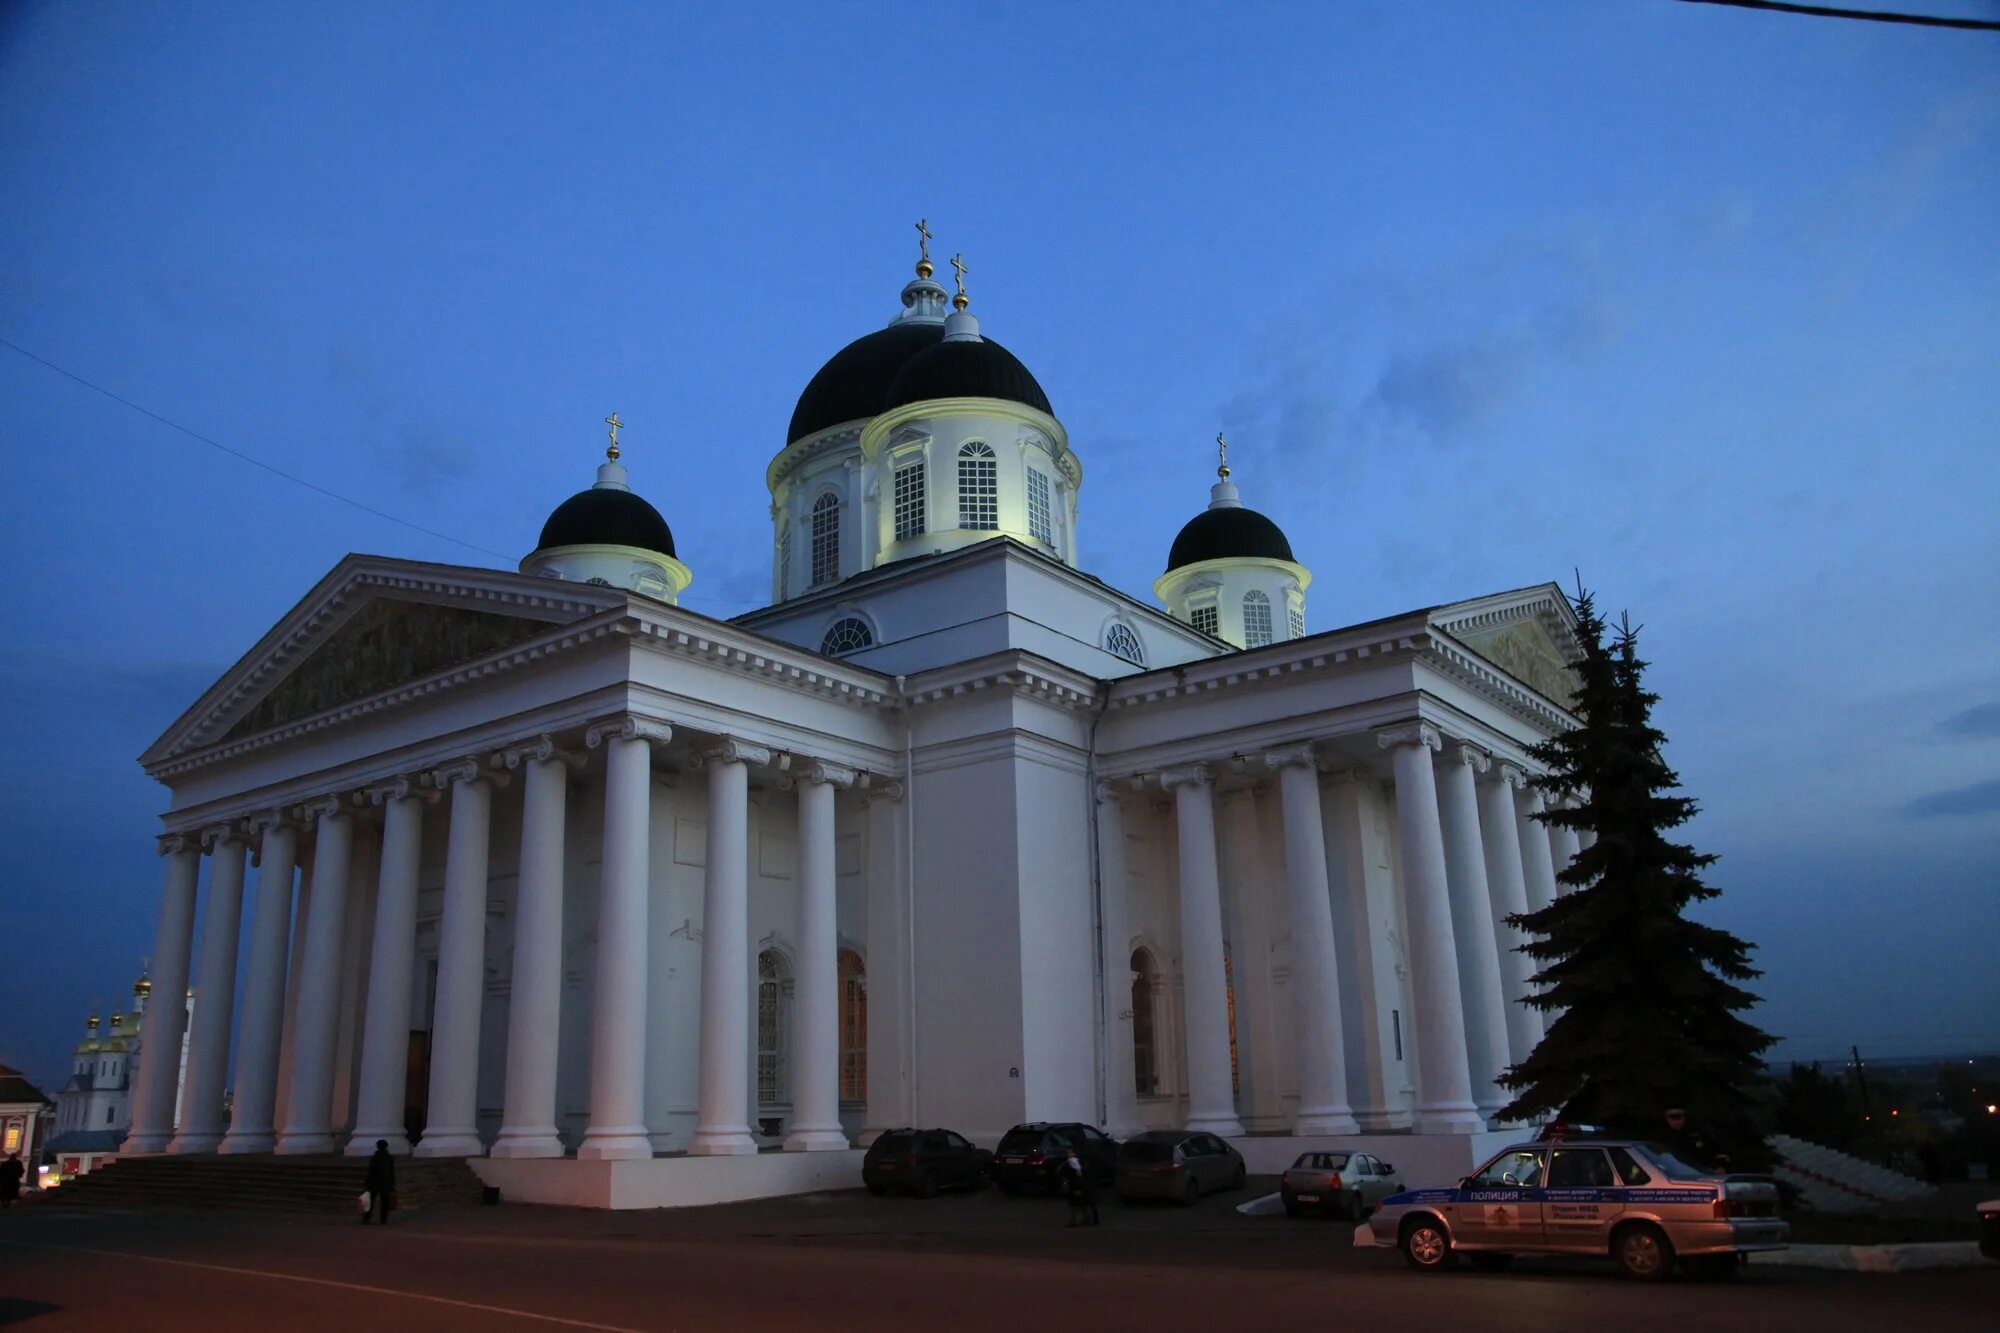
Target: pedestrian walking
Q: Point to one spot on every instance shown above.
(1081, 1186)
(381, 1183)
(11, 1173)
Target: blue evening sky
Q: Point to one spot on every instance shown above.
(1701, 301)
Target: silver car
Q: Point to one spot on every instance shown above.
(1177, 1164)
(1632, 1201)
(1345, 1184)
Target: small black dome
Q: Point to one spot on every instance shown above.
(980, 368)
(853, 384)
(601, 516)
(1220, 534)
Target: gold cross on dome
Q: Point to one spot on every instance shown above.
(924, 240)
(615, 424)
(1222, 448)
(958, 266)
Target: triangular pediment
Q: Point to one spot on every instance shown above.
(1529, 634)
(373, 627)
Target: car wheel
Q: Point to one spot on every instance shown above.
(1491, 1263)
(1190, 1192)
(927, 1186)
(1426, 1245)
(1644, 1252)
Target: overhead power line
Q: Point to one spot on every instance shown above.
(254, 461)
(1869, 15)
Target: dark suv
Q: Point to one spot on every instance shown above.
(1031, 1156)
(922, 1162)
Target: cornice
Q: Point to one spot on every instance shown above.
(800, 452)
(1255, 666)
(753, 655)
(1012, 673)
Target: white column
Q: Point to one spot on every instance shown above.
(1472, 925)
(288, 1041)
(357, 943)
(1262, 1101)
(1121, 1089)
(1444, 1082)
(888, 970)
(1501, 834)
(451, 1128)
(816, 987)
(251, 1120)
(618, 1011)
(1537, 865)
(385, 1033)
(308, 1126)
(1322, 1062)
(1211, 1101)
(534, 1001)
(214, 992)
(722, 1120)
(166, 1018)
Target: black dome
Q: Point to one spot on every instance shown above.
(605, 517)
(1219, 534)
(974, 369)
(853, 384)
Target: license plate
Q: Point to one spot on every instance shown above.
(887, 1166)
(1309, 1198)
(1011, 1161)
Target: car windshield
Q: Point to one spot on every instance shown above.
(1321, 1161)
(1021, 1140)
(1146, 1151)
(1673, 1167)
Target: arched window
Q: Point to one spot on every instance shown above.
(1256, 619)
(826, 539)
(773, 979)
(1121, 640)
(1145, 1045)
(1040, 524)
(978, 487)
(1296, 614)
(910, 500)
(845, 635)
(853, 1027)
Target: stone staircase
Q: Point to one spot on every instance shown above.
(280, 1184)
(1837, 1182)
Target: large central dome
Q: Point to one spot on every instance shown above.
(854, 385)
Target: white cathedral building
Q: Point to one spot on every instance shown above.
(633, 906)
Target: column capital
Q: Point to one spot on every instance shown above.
(215, 834)
(468, 769)
(1509, 775)
(1301, 755)
(729, 750)
(265, 821)
(1187, 775)
(881, 791)
(1108, 790)
(538, 751)
(627, 728)
(1421, 734)
(1464, 752)
(819, 770)
(406, 788)
(172, 844)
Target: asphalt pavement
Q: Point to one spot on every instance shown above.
(848, 1261)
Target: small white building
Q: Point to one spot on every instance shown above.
(94, 1108)
(609, 895)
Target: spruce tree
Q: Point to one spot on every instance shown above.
(1643, 1002)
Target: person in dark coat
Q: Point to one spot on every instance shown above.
(1689, 1143)
(1080, 1184)
(11, 1173)
(381, 1183)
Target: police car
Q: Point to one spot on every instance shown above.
(1630, 1200)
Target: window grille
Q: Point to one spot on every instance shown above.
(1256, 619)
(1121, 640)
(1206, 619)
(1145, 1052)
(853, 1027)
(826, 539)
(910, 500)
(1039, 525)
(978, 487)
(1296, 615)
(770, 1048)
(846, 635)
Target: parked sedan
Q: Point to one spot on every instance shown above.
(922, 1162)
(1175, 1164)
(1031, 1156)
(1344, 1184)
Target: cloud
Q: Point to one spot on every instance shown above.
(1976, 798)
(426, 453)
(1978, 722)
